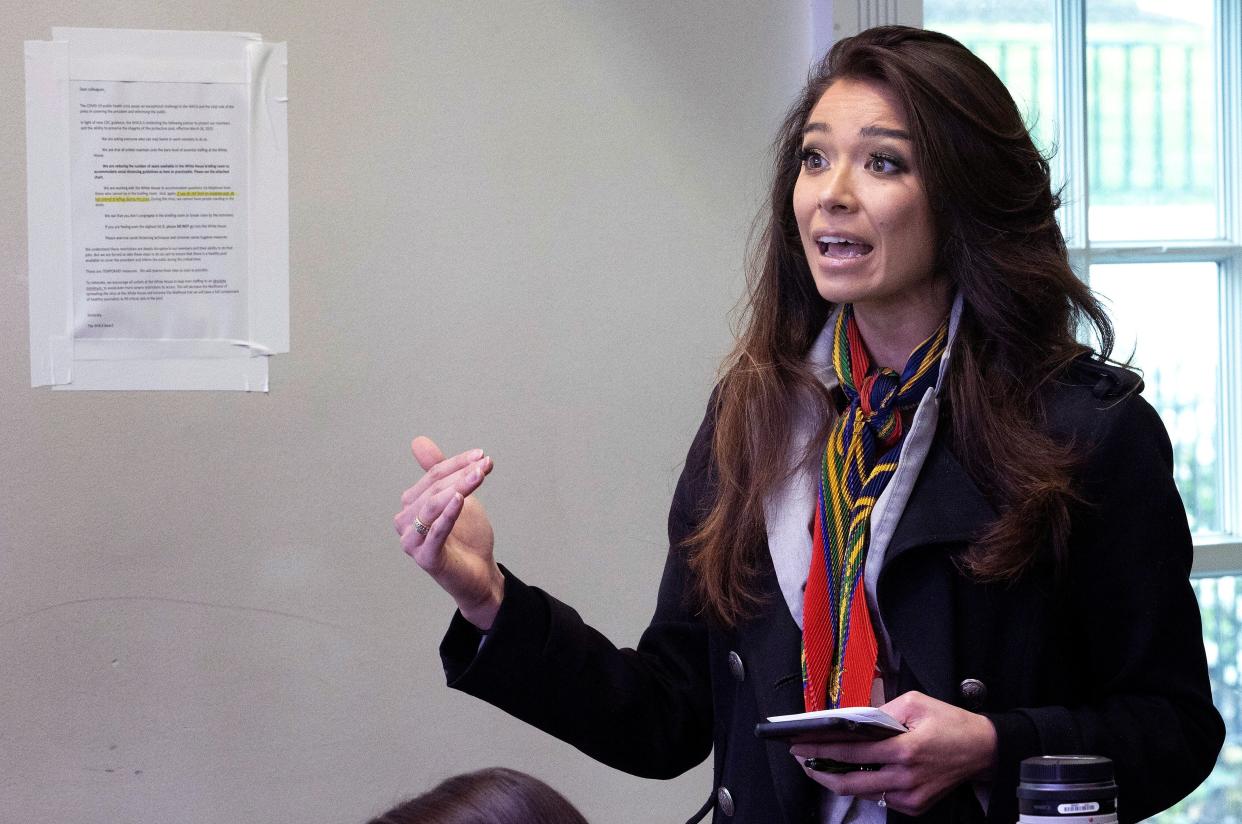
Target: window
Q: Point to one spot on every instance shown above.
(1138, 102)
(1142, 102)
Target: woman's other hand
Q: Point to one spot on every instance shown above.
(946, 746)
(456, 550)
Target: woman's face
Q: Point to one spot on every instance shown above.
(863, 216)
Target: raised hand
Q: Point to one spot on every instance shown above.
(444, 529)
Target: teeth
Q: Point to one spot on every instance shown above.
(841, 248)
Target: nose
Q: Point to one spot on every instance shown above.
(836, 192)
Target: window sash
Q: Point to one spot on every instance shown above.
(1215, 554)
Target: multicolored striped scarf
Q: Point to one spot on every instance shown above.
(838, 642)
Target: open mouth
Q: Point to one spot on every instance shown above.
(839, 247)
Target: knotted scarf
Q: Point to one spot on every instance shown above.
(864, 445)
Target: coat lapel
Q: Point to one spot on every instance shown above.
(945, 506)
(946, 510)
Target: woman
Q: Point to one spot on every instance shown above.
(909, 450)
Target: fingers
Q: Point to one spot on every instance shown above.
(444, 471)
(430, 457)
(867, 782)
(462, 474)
(443, 524)
(885, 751)
(890, 783)
(909, 706)
(439, 515)
(426, 452)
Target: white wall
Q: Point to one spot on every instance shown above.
(518, 226)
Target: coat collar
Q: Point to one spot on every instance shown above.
(945, 506)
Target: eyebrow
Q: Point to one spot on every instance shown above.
(865, 131)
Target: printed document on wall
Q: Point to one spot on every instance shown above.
(158, 209)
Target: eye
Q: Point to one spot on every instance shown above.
(884, 164)
(812, 161)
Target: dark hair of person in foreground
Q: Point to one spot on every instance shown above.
(496, 795)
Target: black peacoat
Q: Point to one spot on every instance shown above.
(1110, 662)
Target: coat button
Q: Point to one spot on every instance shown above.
(973, 692)
(724, 801)
(737, 667)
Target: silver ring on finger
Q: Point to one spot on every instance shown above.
(420, 527)
(883, 802)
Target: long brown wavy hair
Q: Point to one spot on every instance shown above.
(998, 243)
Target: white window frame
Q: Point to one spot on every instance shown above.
(1216, 554)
